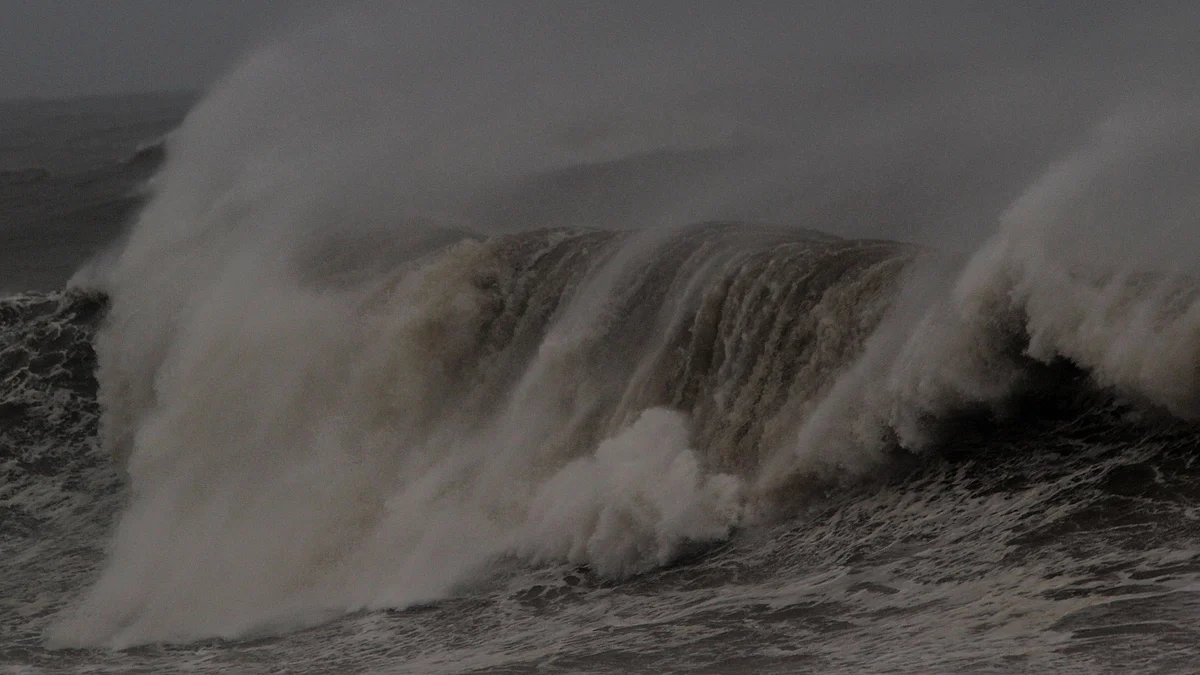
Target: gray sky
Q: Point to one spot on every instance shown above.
(53, 48)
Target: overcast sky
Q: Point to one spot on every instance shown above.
(54, 48)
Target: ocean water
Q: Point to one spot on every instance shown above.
(70, 176)
(607, 376)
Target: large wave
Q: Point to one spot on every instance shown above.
(362, 344)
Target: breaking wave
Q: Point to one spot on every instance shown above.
(332, 391)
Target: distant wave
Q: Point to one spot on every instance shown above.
(149, 154)
(26, 175)
(145, 159)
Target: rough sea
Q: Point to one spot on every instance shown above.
(309, 374)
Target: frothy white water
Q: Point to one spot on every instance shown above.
(311, 451)
(328, 398)
(634, 503)
(1097, 258)
(1091, 265)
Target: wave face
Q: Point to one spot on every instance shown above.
(355, 357)
(309, 445)
(532, 394)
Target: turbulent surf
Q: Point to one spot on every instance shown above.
(404, 387)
